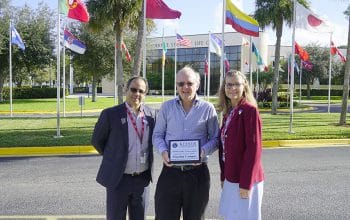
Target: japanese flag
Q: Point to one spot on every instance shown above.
(308, 20)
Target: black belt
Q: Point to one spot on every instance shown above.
(134, 173)
(187, 167)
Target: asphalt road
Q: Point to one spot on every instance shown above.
(308, 183)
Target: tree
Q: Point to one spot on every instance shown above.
(117, 14)
(39, 45)
(4, 33)
(344, 106)
(97, 61)
(275, 13)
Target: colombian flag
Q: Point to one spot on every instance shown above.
(240, 21)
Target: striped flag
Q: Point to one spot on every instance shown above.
(215, 45)
(335, 50)
(180, 40)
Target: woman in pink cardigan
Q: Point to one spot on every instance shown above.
(240, 150)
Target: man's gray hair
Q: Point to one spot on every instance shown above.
(189, 69)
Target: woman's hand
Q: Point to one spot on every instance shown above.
(244, 193)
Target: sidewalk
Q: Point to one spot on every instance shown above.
(89, 150)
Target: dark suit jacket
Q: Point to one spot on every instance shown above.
(110, 138)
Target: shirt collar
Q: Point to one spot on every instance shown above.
(195, 101)
(131, 109)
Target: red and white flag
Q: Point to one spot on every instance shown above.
(125, 49)
(335, 50)
(308, 20)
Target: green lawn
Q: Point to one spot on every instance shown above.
(72, 104)
(77, 131)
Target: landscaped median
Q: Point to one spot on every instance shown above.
(89, 150)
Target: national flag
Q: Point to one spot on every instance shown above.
(308, 20)
(75, 9)
(206, 67)
(165, 49)
(307, 65)
(16, 39)
(182, 41)
(240, 21)
(227, 64)
(245, 42)
(157, 9)
(73, 43)
(125, 49)
(335, 50)
(215, 45)
(303, 54)
(127, 54)
(259, 60)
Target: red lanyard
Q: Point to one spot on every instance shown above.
(133, 122)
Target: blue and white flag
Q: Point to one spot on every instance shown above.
(73, 43)
(16, 39)
(215, 45)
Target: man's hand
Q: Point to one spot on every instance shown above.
(166, 160)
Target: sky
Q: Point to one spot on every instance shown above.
(202, 16)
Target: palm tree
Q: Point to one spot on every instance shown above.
(344, 109)
(275, 13)
(119, 14)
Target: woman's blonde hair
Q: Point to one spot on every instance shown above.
(224, 101)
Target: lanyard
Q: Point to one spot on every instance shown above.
(224, 129)
(133, 122)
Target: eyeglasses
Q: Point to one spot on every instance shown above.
(134, 90)
(231, 85)
(182, 84)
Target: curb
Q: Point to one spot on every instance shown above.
(89, 150)
(306, 143)
(47, 151)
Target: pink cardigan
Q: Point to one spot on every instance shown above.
(243, 147)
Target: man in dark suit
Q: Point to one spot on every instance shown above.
(122, 135)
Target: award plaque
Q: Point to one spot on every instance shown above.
(184, 151)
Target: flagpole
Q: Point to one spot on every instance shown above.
(175, 66)
(64, 77)
(71, 74)
(58, 131)
(163, 64)
(250, 62)
(330, 74)
(208, 87)
(257, 83)
(10, 59)
(144, 39)
(223, 42)
(300, 74)
(292, 73)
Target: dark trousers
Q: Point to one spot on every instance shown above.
(187, 190)
(128, 195)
